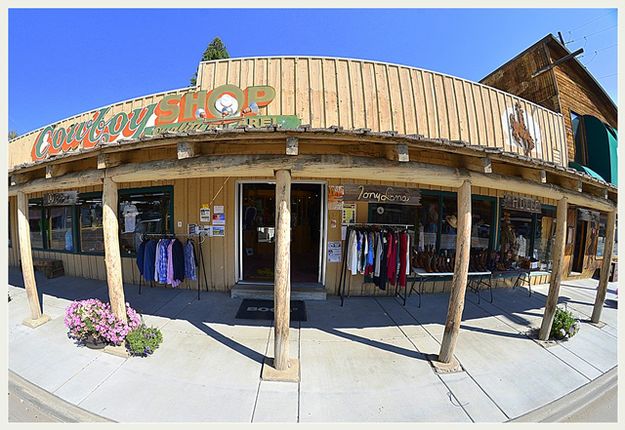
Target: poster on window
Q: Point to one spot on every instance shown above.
(205, 214)
(334, 252)
(349, 213)
(218, 231)
(219, 219)
(335, 197)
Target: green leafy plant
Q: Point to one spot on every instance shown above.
(143, 340)
(565, 325)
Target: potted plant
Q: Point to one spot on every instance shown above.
(93, 323)
(565, 325)
(143, 340)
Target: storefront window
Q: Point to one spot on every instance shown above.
(603, 220)
(429, 218)
(544, 237)
(449, 223)
(60, 222)
(515, 237)
(385, 213)
(35, 219)
(91, 232)
(481, 227)
(143, 212)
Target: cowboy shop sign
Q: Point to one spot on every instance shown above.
(226, 106)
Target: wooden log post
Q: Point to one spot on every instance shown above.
(605, 267)
(556, 270)
(112, 257)
(28, 271)
(282, 287)
(459, 280)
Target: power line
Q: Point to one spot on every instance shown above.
(597, 51)
(592, 34)
(607, 76)
(588, 22)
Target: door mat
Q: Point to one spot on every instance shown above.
(253, 309)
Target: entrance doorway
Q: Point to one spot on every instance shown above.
(257, 214)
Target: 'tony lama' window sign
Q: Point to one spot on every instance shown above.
(381, 194)
(226, 106)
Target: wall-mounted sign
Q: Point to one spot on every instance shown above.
(226, 106)
(382, 194)
(523, 204)
(205, 214)
(522, 130)
(335, 197)
(348, 213)
(588, 215)
(66, 198)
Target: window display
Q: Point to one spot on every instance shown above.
(143, 212)
(60, 222)
(429, 219)
(481, 227)
(91, 231)
(544, 237)
(603, 220)
(449, 223)
(514, 239)
(35, 219)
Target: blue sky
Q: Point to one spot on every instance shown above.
(66, 61)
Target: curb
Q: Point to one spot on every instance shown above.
(571, 403)
(49, 403)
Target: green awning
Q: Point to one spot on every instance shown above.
(601, 141)
(585, 169)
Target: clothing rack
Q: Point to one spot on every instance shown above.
(202, 239)
(350, 227)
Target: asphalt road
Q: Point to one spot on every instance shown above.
(29, 403)
(601, 410)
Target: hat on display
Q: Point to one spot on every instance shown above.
(452, 220)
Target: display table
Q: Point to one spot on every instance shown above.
(521, 276)
(474, 281)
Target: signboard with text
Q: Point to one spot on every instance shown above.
(226, 106)
(381, 194)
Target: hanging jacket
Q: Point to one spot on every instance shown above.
(403, 244)
(149, 257)
(177, 254)
(392, 258)
(139, 256)
(190, 264)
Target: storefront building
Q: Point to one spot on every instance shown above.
(310, 146)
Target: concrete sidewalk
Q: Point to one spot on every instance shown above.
(363, 362)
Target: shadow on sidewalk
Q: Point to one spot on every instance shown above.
(326, 316)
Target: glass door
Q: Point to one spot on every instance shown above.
(257, 211)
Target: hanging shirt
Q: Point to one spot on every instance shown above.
(381, 279)
(352, 252)
(161, 261)
(379, 249)
(190, 261)
(170, 264)
(130, 213)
